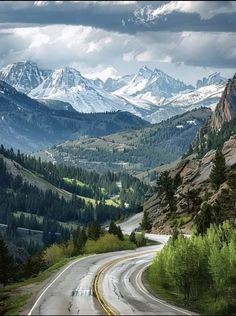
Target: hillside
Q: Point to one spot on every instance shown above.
(133, 151)
(51, 200)
(201, 189)
(29, 125)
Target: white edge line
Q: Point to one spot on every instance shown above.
(143, 289)
(35, 304)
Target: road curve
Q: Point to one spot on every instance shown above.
(122, 289)
(71, 290)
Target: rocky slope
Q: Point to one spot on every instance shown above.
(195, 176)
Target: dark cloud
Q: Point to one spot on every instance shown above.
(130, 18)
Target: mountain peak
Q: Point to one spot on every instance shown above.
(145, 71)
(214, 78)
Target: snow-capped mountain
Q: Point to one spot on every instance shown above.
(150, 94)
(83, 94)
(152, 85)
(112, 84)
(24, 76)
(214, 78)
(207, 94)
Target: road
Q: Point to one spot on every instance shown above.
(71, 290)
(122, 288)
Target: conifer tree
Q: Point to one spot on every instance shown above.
(218, 173)
(146, 224)
(6, 263)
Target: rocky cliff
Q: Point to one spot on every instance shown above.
(195, 175)
(225, 111)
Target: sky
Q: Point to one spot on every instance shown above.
(186, 39)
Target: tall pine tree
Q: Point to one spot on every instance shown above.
(218, 173)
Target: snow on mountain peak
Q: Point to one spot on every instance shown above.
(214, 78)
(23, 75)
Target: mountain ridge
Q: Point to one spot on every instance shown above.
(150, 94)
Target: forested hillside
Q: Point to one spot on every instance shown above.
(134, 150)
(55, 199)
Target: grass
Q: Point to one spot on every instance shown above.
(78, 183)
(182, 220)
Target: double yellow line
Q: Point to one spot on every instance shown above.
(105, 306)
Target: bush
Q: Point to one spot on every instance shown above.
(108, 242)
(53, 254)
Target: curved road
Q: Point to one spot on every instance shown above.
(71, 290)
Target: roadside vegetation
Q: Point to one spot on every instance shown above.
(199, 271)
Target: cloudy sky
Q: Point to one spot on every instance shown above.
(186, 39)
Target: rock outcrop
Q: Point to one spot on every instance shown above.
(195, 175)
(225, 111)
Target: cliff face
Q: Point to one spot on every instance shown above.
(225, 111)
(195, 174)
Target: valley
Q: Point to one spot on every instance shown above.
(131, 151)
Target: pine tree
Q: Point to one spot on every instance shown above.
(132, 237)
(146, 224)
(6, 264)
(119, 233)
(218, 173)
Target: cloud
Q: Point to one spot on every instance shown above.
(206, 9)
(125, 16)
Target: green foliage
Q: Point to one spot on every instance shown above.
(146, 223)
(199, 267)
(218, 173)
(6, 264)
(107, 242)
(115, 230)
(166, 185)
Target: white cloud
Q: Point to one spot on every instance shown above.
(102, 72)
(206, 9)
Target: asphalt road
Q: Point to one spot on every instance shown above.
(71, 290)
(122, 288)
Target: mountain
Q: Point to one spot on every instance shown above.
(152, 85)
(214, 78)
(150, 94)
(24, 76)
(207, 95)
(131, 150)
(222, 122)
(28, 125)
(197, 199)
(111, 84)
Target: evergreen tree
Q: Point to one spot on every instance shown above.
(132, 237)
(119, 233)
(94, 230)
(218, 173)
(146, 224)
(6, 264)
